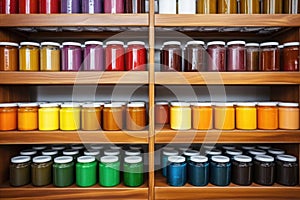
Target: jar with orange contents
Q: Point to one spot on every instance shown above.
(112, 117)
(202, 116)
(8, 116)
(28, 116)
(224, 116)
(135, 116)
(267, 115)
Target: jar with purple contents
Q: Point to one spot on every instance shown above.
(171, 56)
(91, 6)
(70, 6)
(93, 56)
(71, 56)
(113, 6)
(216, 60)
(236, 56)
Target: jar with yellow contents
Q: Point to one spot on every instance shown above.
(50, 56)
(246, 116)
(224, 116)
(48, 117)
(70, 116)
(29, 56)
(91, 116)
(28, 116)
(180, 116)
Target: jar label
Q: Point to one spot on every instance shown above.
(48, 6)
(113, 6)
(69, 6)
(91, 6)
(7, 8)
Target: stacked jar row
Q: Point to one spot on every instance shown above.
(236, 166)
(72, 116)
(228, 116)
(71, 6)
(228, 6)
(73, 56)
(236, 56)
(73, 167)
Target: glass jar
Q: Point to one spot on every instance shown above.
(189, 153)
(41, 171)
(113, 6)
(29, 152)
(180, 116)
(115, 56)
(71, 56)
(167, 6)
(290, 6)
(133, 153)
(50, 56)
(95, 153)
(289, 116)
(275, 152)
(264, 147)
(207, 6)
(273, 6)
(162, 113)
(133, 171)
(93, 59)
(136, 56)
(246, 148)
(91, 116)
(177, 171)
(28, 6)
(250, 6)
(212, 152)
(264, 170)
(112, 117)
(291, 56)
(236, 56)
(69, 117)
(135, 116)
(49, 6)
(256, 152)
(267, 116)
(70, 6)
(29, 58)
(242, 170)
(63, 171)
(220, 170)
(233, 152)
(252, 56)
(91, 6)
(48, 117)
(246, 116)
(9, 55)
(19, 171)
(164, 160)
(72, 152)
(216, 60)
(135, 6)
(224, 114)
(269, 56)
(227, 6)
(111, 152)
(202, 115)
(28, 116)
(186, 7)
(171, 56)
(9, 7)
(8, 116)
(198, 171)
(86, 171)
(109, 171)
(194, 56)
(50, 152)
(287, 170)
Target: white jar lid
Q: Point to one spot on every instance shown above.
(224, 104)
(201, 104)
(86, 159)
(71, 44)
(276, 151)
(49, 152)
(133, 159)
(168, 148)
(136, 147)
(109, 159)
(288, 104)
(58, 147)
(63, 159)
(50, 44)
(183, 149)
(70, 105)
(32, 104)
(70, 152)
(252, 45)
(257, 152)
(220, 159)
(136, 43)
(28, 152)
(228, 147)
(267, 104)
(132, 153)
(41, 159)
(99, 103)
(9, 44)
(236, 42)
(287, 158)
(208, 146)
(172, 43)
(176, 159)
(162, 103)
(93, 42)
(91, 153)
(20, 159)
(291, 44)
(248, 147)
(114, 42)
(264, 158)
(195, 42)
(264, 147)
(8, 105)
(170, 152)
(216, 43)
(180, 104)
(39, 148)
(96, 147)
(246, 104)
(112, 105)
(91, 105)
(122, 103)
(242, 158)
(111, 152)
(269, 44)
(136, 105)
(199, 159)
(115, 147)
(213, 151)
(29, 44)
(77, 146)
(191, 153)
(234, 152)
(48, 105)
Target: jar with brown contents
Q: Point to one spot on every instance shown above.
(135, 116)
(227, 6)
(269, 56)
(207, 6)
(9, 56)
(250, 6)
(272, 6)
(91, 116)
(112, 117)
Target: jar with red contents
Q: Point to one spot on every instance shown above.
(269, 56)
(291, 56)
(136, 56)
(114, 56)
(28, 6)
(171, 56)
(49, 6)
(236, 56)
(216, 60)
(9, 6)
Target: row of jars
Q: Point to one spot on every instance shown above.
(73, 116)
(228, 6)
(73, 56)
(71, 6)
(233, 56)
(228, 116)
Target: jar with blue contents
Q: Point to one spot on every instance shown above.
(198, 170)
(177, 170)
(189, 153)
(164, 159)
(213, 152)
(220, 170)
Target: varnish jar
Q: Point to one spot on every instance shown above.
(264, 147)
(9, 6)
(69, 117)
(133, 171)
(135, 6)
(233, 152)
(269, 56)
(49, 6)
(109, 171)
(289, 116)
(164, 160)
(236, 56)
(29, 152)
(112, 117)
(177, 171)
(224, 114)
(162, 113)
(135, 116)
(202, 116)
(252, 56)
(171, 56)
(86, 171)
(273, 6)
(93, 56)
(70, 6)
(246, 116)
(242, 170)
(180, 116)
(220, 171)
(28, 6)
(8, 116)
(63, 171)
(71, 56)
(287, 170)
(186, 7)
(207, 6)
(28, 116)
(167, 6)
(72, 152)
(29, 56)
(19, 171)
(194, 56)
(189, 153)
(91, 116)
(267, 116)
(250, 6)
(91, 6)
(264, 170)
(212, 152)
(41, 171)
(275, 152)
(198, 171)
(216, 60)
(291, 56)
(227, 6)
(256, 152)
(136, 56)
(50, 152)
(50, 56)
(9, 56)
(115, 56)
(113, 6)
(48, 117)
(291, 6)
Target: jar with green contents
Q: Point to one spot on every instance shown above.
(19, 171)
(29, 58)
(63, 171)
(41, 171)
(109, 171)
(86, 171)
(133, 171)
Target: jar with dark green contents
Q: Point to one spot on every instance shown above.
(86, 171)
(50, 152)
(19, 170)
(109, 171)
(133, 171)
(41, 170)
(71, 152)
(63, 171)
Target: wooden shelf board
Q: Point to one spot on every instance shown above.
(227, 78)
(49, 78)
(82, 20)
(167, 135)
(232, 20)
(62, 137)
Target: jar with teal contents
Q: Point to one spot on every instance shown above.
(198, 170)
(212, 152)
(189, 153)
(177, 171)
(63, 171)
(164, 160)
(86, 171)
(220, 170)
(133, 171)
(109, 171)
